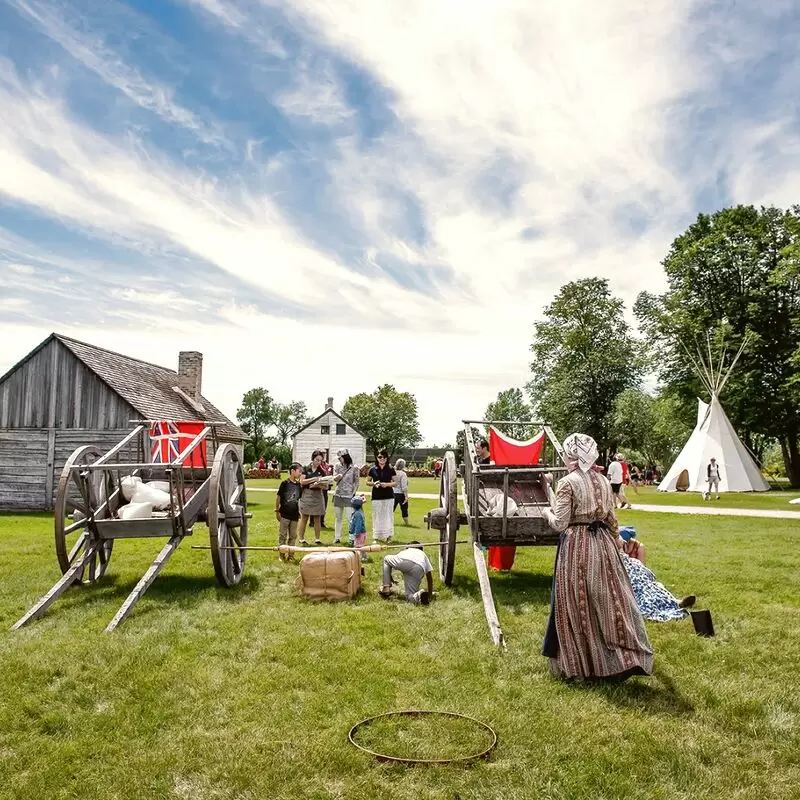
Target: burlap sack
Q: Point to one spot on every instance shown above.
(330, 576)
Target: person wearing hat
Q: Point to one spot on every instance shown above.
(596, 630)
(358, 525)
(714, 477)
(346, 475)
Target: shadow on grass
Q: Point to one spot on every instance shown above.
(658, 696)
(511, 590)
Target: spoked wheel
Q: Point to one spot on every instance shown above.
(448, 500)
(77, 497)
(227, 516)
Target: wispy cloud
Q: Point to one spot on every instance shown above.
(416, 171)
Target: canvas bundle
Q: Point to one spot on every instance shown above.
(330, 576)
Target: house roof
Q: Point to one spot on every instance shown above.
(147, 387)
(317, 419)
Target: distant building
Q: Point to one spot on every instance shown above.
(65, 394)
(329, 432)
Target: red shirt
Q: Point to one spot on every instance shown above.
(624, 471)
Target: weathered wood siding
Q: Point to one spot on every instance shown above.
(23, 469)
(31, 461)
(53, 389)
(311, 439)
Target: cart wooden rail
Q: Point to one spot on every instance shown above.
(90, 496)
(531, 488)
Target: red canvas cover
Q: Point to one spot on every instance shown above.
(169, 439)
(507, 451)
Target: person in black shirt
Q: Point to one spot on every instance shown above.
(382, 478)
(483, 452)
(287, 508)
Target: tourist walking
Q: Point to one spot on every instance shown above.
(382, 478)
(714, 476)
(346, 475)
(401, 489)
(595, 629)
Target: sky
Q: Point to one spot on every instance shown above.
(322, 196)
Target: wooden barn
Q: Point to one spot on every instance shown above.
(65, 394)
(328, 432)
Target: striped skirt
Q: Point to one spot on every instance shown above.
(595, 628)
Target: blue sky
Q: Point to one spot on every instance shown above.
(325, 196)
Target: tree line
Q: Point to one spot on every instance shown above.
(730, 275)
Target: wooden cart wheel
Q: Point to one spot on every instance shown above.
(227, 516)
(448, 500)
(72, 512)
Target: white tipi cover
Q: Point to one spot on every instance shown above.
(715, 437)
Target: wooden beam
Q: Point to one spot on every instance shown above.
(67, 579)
(49, 477)
(145, 582)
(495, 631)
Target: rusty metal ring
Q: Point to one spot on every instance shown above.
(417, 713)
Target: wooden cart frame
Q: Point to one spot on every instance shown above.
(530, 486)
(90, 495)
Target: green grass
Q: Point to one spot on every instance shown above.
(249, 693)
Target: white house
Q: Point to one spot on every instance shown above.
(329, 432)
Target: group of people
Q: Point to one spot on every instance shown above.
(602, 591)
(273, 463)
(303, 497)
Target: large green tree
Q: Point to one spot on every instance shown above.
(729, 274)
(584, 356)
(289, 417)
(255, 416)
(386, 417)
(651, 426)
(511, 405)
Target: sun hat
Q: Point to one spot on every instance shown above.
(342, 451)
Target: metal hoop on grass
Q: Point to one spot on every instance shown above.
(351, 736)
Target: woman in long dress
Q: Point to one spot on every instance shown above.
(382, 478)
(595, 629)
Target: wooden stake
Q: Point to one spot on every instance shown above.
(489, 609)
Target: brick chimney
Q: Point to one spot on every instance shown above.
(329, 404)
(190, 373)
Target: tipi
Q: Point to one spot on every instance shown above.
(714, 437)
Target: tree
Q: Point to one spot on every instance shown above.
(288, 418)
(386, 417)
(650, 426)
(730, 273)
(461, 440)
(255, 417)
(584, 356)
(511, 405)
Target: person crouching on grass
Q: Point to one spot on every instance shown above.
(287, 509)
(415, 566)
(358, 525)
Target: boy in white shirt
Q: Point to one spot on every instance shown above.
(415, 566)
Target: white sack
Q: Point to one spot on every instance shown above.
(162, 486)
(144, 493)
(136, 511)
(129, 483)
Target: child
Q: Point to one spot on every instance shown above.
(358, 525)
(287, 509)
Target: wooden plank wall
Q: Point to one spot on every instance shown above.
(23, 469)
(53, 389)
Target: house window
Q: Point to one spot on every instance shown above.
(324, 430)
(341, 429)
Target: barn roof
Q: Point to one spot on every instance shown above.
(317, 419)
(145, 386)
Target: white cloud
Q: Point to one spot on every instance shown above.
(91, 50)
(526, 145)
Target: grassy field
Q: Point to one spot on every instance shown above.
(249, 693)
(649, 495)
